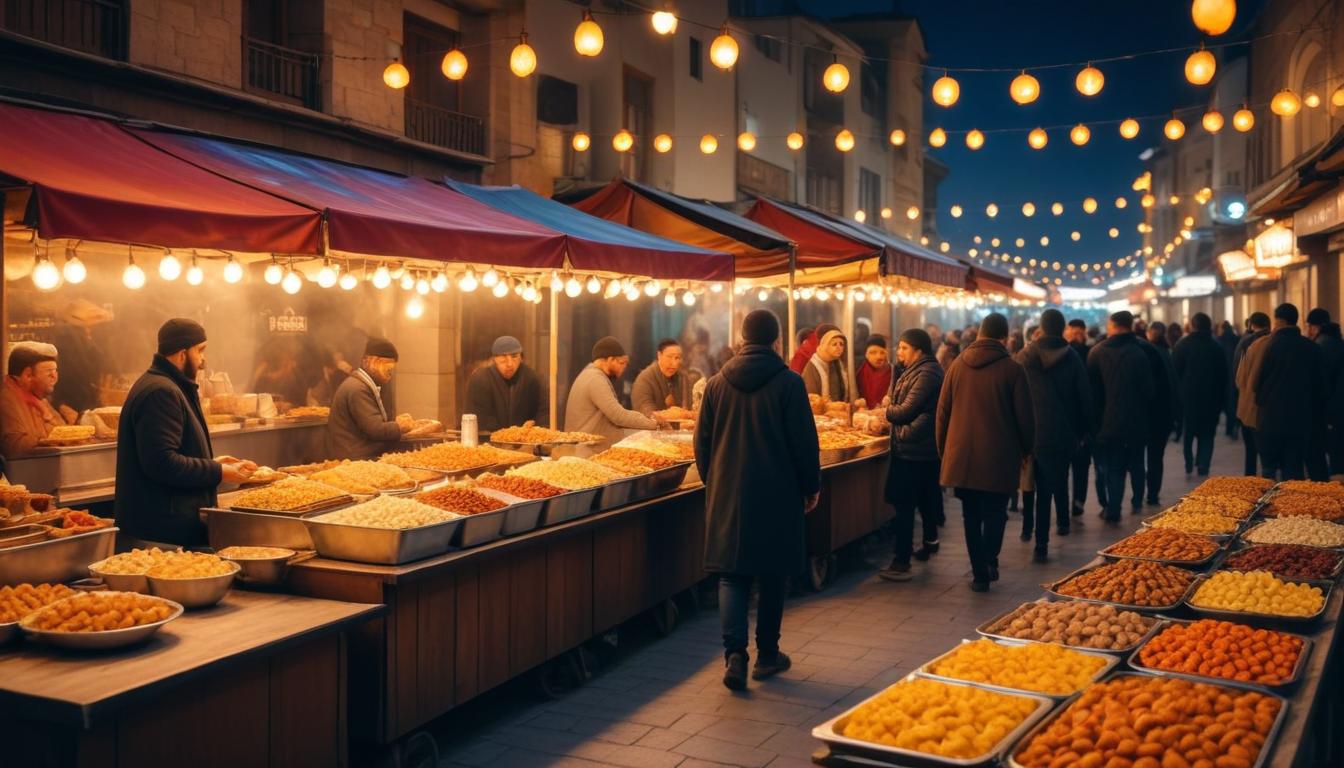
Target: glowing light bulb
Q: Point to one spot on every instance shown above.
(622, 141)
(975, 139)
(557, 283)
(1174, 129)
(794, 141)
(500, 289)
(195, 275)
(468, 283)
(664, 22)
(415, 308)
(991, 211)
(1089, 205)
(588, 36)
(937, 137)
(169, 267)
(652, 288)
(292, 282)
(581, 142)
(1212, 121)
(763, 294)
(1121, 202)
(1037, 139)
(454, 65)
(1045, 240)
(912, 212)
(1080, 134)
(396, 75)
(1089, 81)
(573, 287)
(897, 138)
(273, 274)
(669, 299)
(45, 275)
(422, 287)
(490, 279)
(1148, 200)
(233, 271)
(631, 293)
(1075, 236)
(708, 144)
(74, 270)
(1024, 89)
(844, 140)
(1213, 17)
(594, 285)
(381, 277)
(1311, 99)
(1028, 209)
(133, 276)
(1057, 208)
(746, 141)
(614, 289)
(955, 211)
(1285, 103)
(946, 91)
(886, 212)
(1113, 232)
(662, 143)
(327, 276)
(836, 77)
(860, 215)
(723, 51)
(1243, 120)
(523, 59)
(1129, 128)
(407, 281)
(688, 298)
(347, 282)
(530, 292)
(1200, 67)
(1337, 98)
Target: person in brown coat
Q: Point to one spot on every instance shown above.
(985, 427)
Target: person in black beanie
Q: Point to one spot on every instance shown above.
(912, 474)
(359, 426)
(756, 450)
(166, 467)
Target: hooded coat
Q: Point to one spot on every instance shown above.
(1122, 388)
(1201, 370)
(1061, 398)
(914, 410)
(756, 450)
(1289, 385)
(985, 423)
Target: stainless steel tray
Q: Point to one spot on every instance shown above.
(1241, 538)
(321, 505)
(1268, 620)
(230, 528)
(8, 632)
(984, 630)
(1221, 538)
(615, 494)
(1110, 662)
(99, 641)
(568, 506)
(381, 546)
(1052, 588)
(56, 560)
(19, 535)
(1242, 546)
(1192, 564)
(541, 449)
(1282, 689)
(520, 516)
(830, 733)
(659, 482)
(480, 529)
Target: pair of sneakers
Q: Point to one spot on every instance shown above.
(735, 668)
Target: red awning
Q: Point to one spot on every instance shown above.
(93, 181)
(375, 212)
(820, 243)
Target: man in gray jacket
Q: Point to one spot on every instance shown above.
(359, 427)
(664, 383)
(592, 406)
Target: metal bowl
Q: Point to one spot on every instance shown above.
(121, 582)
(194, 593)
(8, 631)
(112, 638)
(262, 570)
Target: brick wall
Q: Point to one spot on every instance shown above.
(196, 38)
(364, 28)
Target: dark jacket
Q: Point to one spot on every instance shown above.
(1122, 388)
(1201, 369)
(165, 464)
(498, 403)
(1164, 409)
(1061, 398)
(914, 410)
(985, 423)
(1229, 340)
(357, 427)
(652, 388)
(1332, 371)
(1289, 385)
(756, 450)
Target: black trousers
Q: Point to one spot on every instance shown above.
(735, 604)
(985, 515)
(1051, 470)
(1252, 455)
(919, 490)
(1199, 455)
(1156, 450)
(1082, 459)
(1113, 461)
(1282, 456)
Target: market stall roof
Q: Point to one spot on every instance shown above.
(757, 249)
(92, 180)
(600, 245)
(1311, 175)
(982, 279)
(906, 259)
(375, 212)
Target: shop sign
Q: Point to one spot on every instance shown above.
(288, 322)
(1192, 286)
(1324, 213)
(1236, 265)
(1276, 247)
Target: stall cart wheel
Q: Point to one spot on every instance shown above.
(418, 750)
(665, 616)
(561, 675)
(820, 571)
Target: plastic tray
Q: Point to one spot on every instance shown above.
(1053, 587)
(1111, 660)
(382, 546)
(1281, 689)
(984, 631)
(1268, 620)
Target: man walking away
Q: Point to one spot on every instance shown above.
(985, 427)
(1287, 388)
(1162, 416)
(1201, 369)
(1076, 334)
(756, 450)
(1122, 386)
(1061, 401)
(1228, 340)
(1257, 328)
(1325, 460)
(912, 474)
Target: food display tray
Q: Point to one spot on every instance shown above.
(984, 631)
(1268, 620)
(8, 631)
(458, 474)
(380, 546)
(1111, 660)
(520, 516)
(1281, 689)
(1241, 538)
(56, 560)
(830, 733)
(659, 482)
(480, 529)
(1053, 588)
(1242, 546)
(541, 449)
(615, 494)
(1221, 538)
(100, 641)
(19, 535)
(321, 505)
(232, 528)
(568, 506)
(1191, 564)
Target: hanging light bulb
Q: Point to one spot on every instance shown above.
(1212, 121)
(860, 215)
(1045, 240)
(662, 143)
(396, 76)
(490, 279)
(381, 277)
(1080, 134)
(169, 267)
(652, 288)
(1243, 120)
(588, 36)
(632, 292)
(794, 141)
(1174, 129)
(454, 65)
(593, 285)
(348, 281)
(327, 276)
(1337, 98)
(937, 137)
(1200, 67)
(133, 276)
(746, 141)
(1089, 205)
(292, 282)
(557, 283)
(886, 212)
(523, 60)
(1089, 81)
(708, 144)
(1024, 89)
(233, 271)
(669, 299)
(897, 138)
(1129, 128)
(991, 211)
(273, 274)
(1021, 241)
(530, 292)
(955, 211)
(763, 294)
(1285, 103)
(581, 142)
(195, 275)
(573, 287)
(975, 139)
(74, 271)
(1028, 209)
(422, 286)
(912, 212)
(723, 51)
(468, 283)
(844, 140)
(1121, 202)
(407, 281)
(622, 141)
(1148, 200)
(45, 275)
(1311, 99)
(1213, 17)
(500, 289)
(836, 77)
(1037, 139)
(415, 308)
(688, 298)
(1057, 208)
(664, 22)
(946, 91)
(1113, 232)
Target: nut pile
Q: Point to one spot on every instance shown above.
(19, 601)
(1332, 489)
(190, 565)
(455, 457)
(831, 439)
(1236, 486)
(1297, 530)
(1288, 561)
(1258, 592)
(462, 501)
(1191, 520)
(1306, 504)
(1155, 722)
(99, 612)
(1075, 623)
(290, 493)
(391, 512)
(570, 472)
(1037, 667)
(936, 718)
(1130, 582)
(1164, 544)
(1224, 649)
(522, 487)
(633, 457)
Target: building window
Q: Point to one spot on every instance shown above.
(870, 193)
(93, 26)
(637, 117)
(557, 101)
(697, 59)
(771, 48)
(282, 42)
(872, 96)
(434, 104)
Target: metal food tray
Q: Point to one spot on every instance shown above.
(1266, 749)
(25, 533)
(1241, 538)
(321, 505)
(56, 560)
(984, 631)
(98, 641)
(659, 482)
(615, 494)
(1242, 546)
(1268, 620)
(837, 455)
(1282, 689)
(1052, 588)
(457, 474)
(1221, 538)
(567, 506)
(231, 528)
(829, 732)
(520, 516)
(8, 631)
(479, 529)
(1219, 548)
(1111, 660)
(380, 546)
(542, 449)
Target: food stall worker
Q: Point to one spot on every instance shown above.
(25, 415)
(166, 467)
(592, 406)
(507, 392)
(824, 374)
(358, 427)
(664, 383)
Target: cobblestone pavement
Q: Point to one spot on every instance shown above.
(663, 704)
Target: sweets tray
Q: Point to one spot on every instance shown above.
(56, 560)
(1268, 620)
(1053, 588)
(1281, 689)
(984, 630)
(1111, 660)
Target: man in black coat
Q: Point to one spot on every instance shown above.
(1325, 459)
(1061, 400)
(507, 392)
(1287, 391)
(912, 474)
(1228, 340)
(1122, 387)
(1076, 335)
(1162, 415)
(1257, 327)
(757, 453)
(1201, 370)
(166, 467)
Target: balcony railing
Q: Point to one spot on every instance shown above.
(92, 26)
(444, 127)
(294, 75)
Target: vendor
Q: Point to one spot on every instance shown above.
(663, 384)
(358, 427)
(592, 406)
(25, 415)
(506, 392)
(83, 364)
(874, 376)
(166, 467)
(824, 373)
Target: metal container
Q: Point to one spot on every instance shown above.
(1242, 546)
(1221, 538)
(520, 516)
(1268, 620)
(18, 535)
(544, 449)
(659, 482)
(1241, 538)
(1110, 662)
(615, 494)
(381, 546)
(480, 529)
(99, 641)
(986, 630)
(194, 593)
(56, 560)
(321, 505)
(121, 582)
(230, 528)
(262, 570)
(1053, 589)
(1192, 564)
(831, 732)
(1282, 689)
(567, 506)
(8, 632)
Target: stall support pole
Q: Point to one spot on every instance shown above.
(849, 352)
(732, 314)
(793, 313)
(554, 358)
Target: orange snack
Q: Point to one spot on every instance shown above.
(1130, 582)
(1224, 649)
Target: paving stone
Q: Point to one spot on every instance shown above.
(662, 738)
(745, 732)
(719, 751)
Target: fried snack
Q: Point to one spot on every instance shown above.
(290, 493)
(679, 450)
(1332, 489)
(676, 413)
(1227, 506)
(462, 501)
(19, 601)
(454, 457)
(530, 434)
(190, 565)
(137, 562)
(1037, 667)
(1191, 521)
(309, 412)
(1075, 623)
(1247, 488)
(1224, 649)
(1130, 582)
(516, 485)
(936, 718)
(832, 439)
(1258, 592)
(1164, 544)
(645, 461)
(99, 612)
(77, 521)
(266, 475)
(308, 469)
(1155, 722)
(1287, 561)
(375, 474)
(570, 472)
(392, 512)
(69, 432)
(1297, 530)
(1316, 504)
(254, 553)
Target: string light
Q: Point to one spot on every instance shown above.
(593, 285)
(1089, 205)
(746, 141)
(133, 276)
(588, 38)
(523, 59)
(669, 300)
(381, 277)
(396, 76)
(860, 215)
(74, 271)
(1148, 200)
(291, 282)
(1080, 134)
(1337, 98)
(1174, 129)
(454, 65)
(708, 144)
(1024, 89)
(1057, 208)
(169, 267)
(45, 274)
(573, 287)
(407, 281)
(273, 274)
(991, 211)
(622, 141)
(1037, 139)
(1129, 128)
(937, 137)
(468, 283)
(886, 213)
(1213, 17)
(1212, 121)
(1089, 81)
(946, 91)
(662, 143)
(956, 211)
(912, 212)
(327, 276)
(1028, 209)
(1311, 99)
(501, 289)
(415, 308)
(836, 77)
(897, 138)
(794, 141)
(422, 286)
(233, 271)
(1285, 103)
(347, 282)
(1121, 202)
(1045, 241)
(975, 139)
(1200, 67)
(1243, 120)
(490, 279)
(844, 140)
(723, 51)
(688, 298)
(664, 22)
(1113, 232)
(581, 142)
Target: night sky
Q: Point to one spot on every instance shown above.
(994, 34)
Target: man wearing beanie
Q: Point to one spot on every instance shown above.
(1123, 388)
(1327, 444)
(359, 426)
(26, 415)
(756, 451)
(506, 392)
(874, 375)
(166, 467)
(985, 427)
(824, 374)
(592, 406)
(1257, 328)
(664, 383)
(1287, 390)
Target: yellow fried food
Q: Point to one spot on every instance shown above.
(21, 600)
(254, 553)
(392, 512)
(290, 493)
(137, 562)
(1195, 521)
(1038, 667)
(570, 472)
(1258, 592)
(937, 718)
(455, 457)
(191, 565)
(377, 475)
(99, 612)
